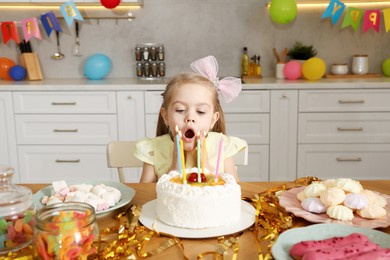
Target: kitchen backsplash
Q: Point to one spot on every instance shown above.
(191, 29)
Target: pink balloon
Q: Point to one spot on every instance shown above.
(292, 70)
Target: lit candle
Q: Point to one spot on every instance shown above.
(198, 156)
(178, 151)
(204, 150)
(183, 164)
(218, 159)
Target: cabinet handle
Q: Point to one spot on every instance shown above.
(351, 159)
(349, 129)
(67, 161)
(63, 103)
(65, 130)
(357, 101)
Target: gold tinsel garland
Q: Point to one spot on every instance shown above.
(128, 240)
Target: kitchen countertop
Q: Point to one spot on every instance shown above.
(138, 84)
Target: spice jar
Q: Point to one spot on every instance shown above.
(161, 69)
(16, 213)
(65, 231)
(147, 69)
(138, 53)
(145, 53)
(153, 53)
(161, 54)
(139, 70)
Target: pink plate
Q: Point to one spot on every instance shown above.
(289, 201)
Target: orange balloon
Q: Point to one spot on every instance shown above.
(5, 65)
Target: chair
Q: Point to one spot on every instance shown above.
(120, 155)
(241, 158)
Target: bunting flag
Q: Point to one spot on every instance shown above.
(372, 19)
(334, 10)
(70, 12)
(386, 17)
(30, 28)
(50, 23)
(353, 17)
(10, 31)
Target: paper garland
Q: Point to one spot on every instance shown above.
(30, 28)
(355, 16)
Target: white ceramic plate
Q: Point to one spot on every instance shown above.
(289, 201)
(149, 219)
(127, 194)
(287, 239)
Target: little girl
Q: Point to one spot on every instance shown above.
(191, 106)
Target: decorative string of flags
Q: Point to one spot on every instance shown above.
(355, 16)
(49, 22)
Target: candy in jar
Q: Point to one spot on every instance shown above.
(16, 213)
(65, 231)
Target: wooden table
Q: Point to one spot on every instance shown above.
(193, 247)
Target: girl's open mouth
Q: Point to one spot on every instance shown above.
(189, 133)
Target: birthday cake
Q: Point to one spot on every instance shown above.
(198, 204)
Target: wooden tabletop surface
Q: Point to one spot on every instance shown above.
(193, 247)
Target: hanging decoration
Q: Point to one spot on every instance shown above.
(283, 11)
(354, 17)
(70, 12)
(30, 28)
(110, 4)
(10, 32)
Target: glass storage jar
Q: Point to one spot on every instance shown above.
(16, 213)
(65, 231)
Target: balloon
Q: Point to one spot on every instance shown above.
(292, 70)
(283, 11)
(97, 66)
(5, 65)
(110, 4)
(386, 67)
(17, 72)
(313, 69)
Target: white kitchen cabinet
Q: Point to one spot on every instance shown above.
(8, 151)
(63, 135)
(131, 123)
(283, 135)
(344, 133)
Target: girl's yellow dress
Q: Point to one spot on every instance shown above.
(157, 151)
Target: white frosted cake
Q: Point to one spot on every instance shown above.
(198, 205)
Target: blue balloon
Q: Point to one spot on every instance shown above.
(97, 66)
(17, 72)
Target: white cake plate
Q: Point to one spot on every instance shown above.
(149, 219)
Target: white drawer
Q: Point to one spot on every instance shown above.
(43, 164)
(64, 102)
(344, 100)
(247, 102)
(344, 128)
(253, 128)
(356, 161)
(65, 129)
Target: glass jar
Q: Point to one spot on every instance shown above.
(65, 231)
(360, 64)
(16, 213)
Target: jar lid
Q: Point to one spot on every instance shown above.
(340, 64)
(13, 199)
(360, 55)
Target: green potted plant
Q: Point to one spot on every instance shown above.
(299, 51)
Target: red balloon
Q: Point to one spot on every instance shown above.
(110, 4)
(5, 65)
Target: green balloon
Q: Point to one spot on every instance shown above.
(283, 11)
(386, 67)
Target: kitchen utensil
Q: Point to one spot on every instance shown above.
(58, 55)
(76, 50)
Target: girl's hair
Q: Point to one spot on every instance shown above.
(187, 78)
